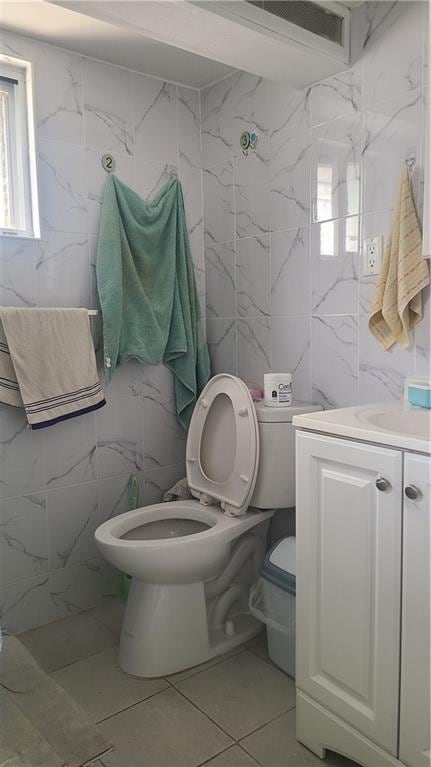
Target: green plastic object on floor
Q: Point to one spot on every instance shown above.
(134, 503)
(147, 289)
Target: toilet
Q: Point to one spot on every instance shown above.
(192, 562)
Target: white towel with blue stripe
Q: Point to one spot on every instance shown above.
(48, 364)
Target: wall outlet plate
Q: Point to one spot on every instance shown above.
(373, 250)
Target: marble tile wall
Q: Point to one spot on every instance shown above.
(57, 486)
(284, 226)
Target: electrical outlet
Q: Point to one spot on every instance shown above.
(373, 255)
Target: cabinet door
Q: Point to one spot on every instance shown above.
(415, 743)
(349, 582)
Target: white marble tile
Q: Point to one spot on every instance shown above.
(218, 131)
(151, 177)
(17, 262)
(220, 280)
(158, 481)
(221, 339)
(291, 344)
(26, 604)
(250, 109)
(58, 95)
(78, 587)
(158, 384)
(114, 495)
(290, 272)
(164, 437)
(57, 82)
(251, 194)
(127, 381)
(335, 249)
(290, 183)
(62, 187)
(423, 338)
(253, 348)
(70, 451)
(392, 60)
(191, 183)
(373, 224)
(196, 241)
(119, 437)
(290, 149)
(390, 133)
(21, 454)
(96, 176)
(155, 118)
(381, 373)
(93, 243)
(108, 107)
(335, 175)
(62, 270)
(289, 110)
(218, 194)
(73, 516)
(336, 96)
(189, 124)
(334, 343)
(23, 538)
(253, 276)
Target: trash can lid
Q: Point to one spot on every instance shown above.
(279, 566)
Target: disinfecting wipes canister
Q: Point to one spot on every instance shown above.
(278, 389)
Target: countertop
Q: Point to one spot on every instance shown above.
(397, 424)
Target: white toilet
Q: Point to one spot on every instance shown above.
(192, 562)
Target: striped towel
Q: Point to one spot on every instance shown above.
(397, 304)
(48, 364)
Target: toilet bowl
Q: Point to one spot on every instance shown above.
(174, 542)
(192, 562)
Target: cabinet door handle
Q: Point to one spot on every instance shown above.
(411, 492)
(382, 484)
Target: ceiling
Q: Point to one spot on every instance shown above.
(184, 42)
(102, 40)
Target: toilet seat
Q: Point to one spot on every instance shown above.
(222, 455)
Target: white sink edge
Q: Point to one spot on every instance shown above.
(359, 422)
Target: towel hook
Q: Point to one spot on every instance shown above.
(108, 163)
(410, 160)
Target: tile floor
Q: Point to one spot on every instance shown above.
(234, 711)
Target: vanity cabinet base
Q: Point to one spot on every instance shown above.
(319, 730)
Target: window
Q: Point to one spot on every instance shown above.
(19, 214)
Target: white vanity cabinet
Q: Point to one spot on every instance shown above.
(415, 713)
(363, 600)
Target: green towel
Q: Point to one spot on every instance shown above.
(147, 289)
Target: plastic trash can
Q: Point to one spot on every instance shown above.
(272, 601)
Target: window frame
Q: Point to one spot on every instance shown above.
(21, 150)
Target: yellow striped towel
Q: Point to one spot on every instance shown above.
(397, 304)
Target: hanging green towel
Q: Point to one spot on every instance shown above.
(147, 289)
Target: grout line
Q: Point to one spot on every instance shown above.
(221, 659)
(262, 726)
(208, 761)
(133, 705)
(250, 755)
(77, 660)
(204, 713)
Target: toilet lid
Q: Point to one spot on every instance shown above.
(223, 445)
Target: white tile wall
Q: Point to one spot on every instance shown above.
(357, 128)
(282, 274)
(57, 486)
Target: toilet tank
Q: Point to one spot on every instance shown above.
(275, 484)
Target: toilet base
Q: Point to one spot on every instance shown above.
(165, 630)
